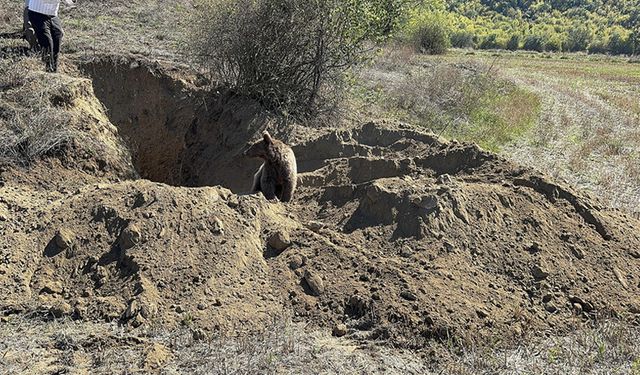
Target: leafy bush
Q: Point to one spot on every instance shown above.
(578, 38)
(534, 42)
(462, 39)
(620, 42)
(290, 55)
(553, 43)
(428, 33)
(514, 42)
(598, 46)
(491, 42)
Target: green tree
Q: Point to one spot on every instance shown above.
(620, 42)
(514, 42)
(534, 42)
(578, 38)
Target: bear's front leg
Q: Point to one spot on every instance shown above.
(268, 182)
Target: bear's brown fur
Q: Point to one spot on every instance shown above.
(277, 176)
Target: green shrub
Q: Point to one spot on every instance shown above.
(462, 39)
(534, 42)
(620, 43)
(430, 35)
(290, 55)
(553, 43)
(598, 46)
(491, 42)
(514, 42)
(578, 38)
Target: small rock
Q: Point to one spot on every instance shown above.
(61, 309)
(179, 309)
(148, 309)
(315, 225)
(428, 203)
(534, 247)
(406, 252)
(64, 238)
(340, 330)
(198, 334)
(100, 276)
(217, 303)
(132, 309)
(296, 261)
(279, 240)
(51, 287)
(444, 179)
(577, 308)
(539, 273)
(577, 252)
(586, 306)
(482, 313)
(634, 308)
(620, 277)
(137, 321)
(129, 237)
(546, 298)
(408, 295)
(315, 283)
(233, 201)
(550, 308)
(202, 306)
(216, 226)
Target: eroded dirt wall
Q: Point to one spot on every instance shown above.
(178, 133)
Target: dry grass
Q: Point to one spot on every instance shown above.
(31, 125)
(33, 345)
(587, 133)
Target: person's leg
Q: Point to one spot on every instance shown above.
(57, 34)
(37, 22)
(42, 26)
(48, 32)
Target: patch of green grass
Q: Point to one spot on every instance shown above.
(461, 99)
(500, 119)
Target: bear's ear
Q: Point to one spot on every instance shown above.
(267, 137)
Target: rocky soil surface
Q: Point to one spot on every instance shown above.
(394, 234)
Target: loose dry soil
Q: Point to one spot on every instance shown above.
(403, 236)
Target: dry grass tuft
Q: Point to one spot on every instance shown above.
(31, 124)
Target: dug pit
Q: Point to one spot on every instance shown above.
(178, 133)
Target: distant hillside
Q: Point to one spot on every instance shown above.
(596, 26)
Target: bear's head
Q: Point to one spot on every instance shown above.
(261, 149)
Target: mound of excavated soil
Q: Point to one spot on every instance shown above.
(398, 234)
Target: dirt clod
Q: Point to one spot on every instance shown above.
(129, 237)
(340, 330)
(539, 273)
(296, 261)
(315, 283)
(64, 238)
(279, 240)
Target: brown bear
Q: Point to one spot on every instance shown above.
(277, 176)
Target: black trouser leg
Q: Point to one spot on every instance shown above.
(49, 34)
(56, 34)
